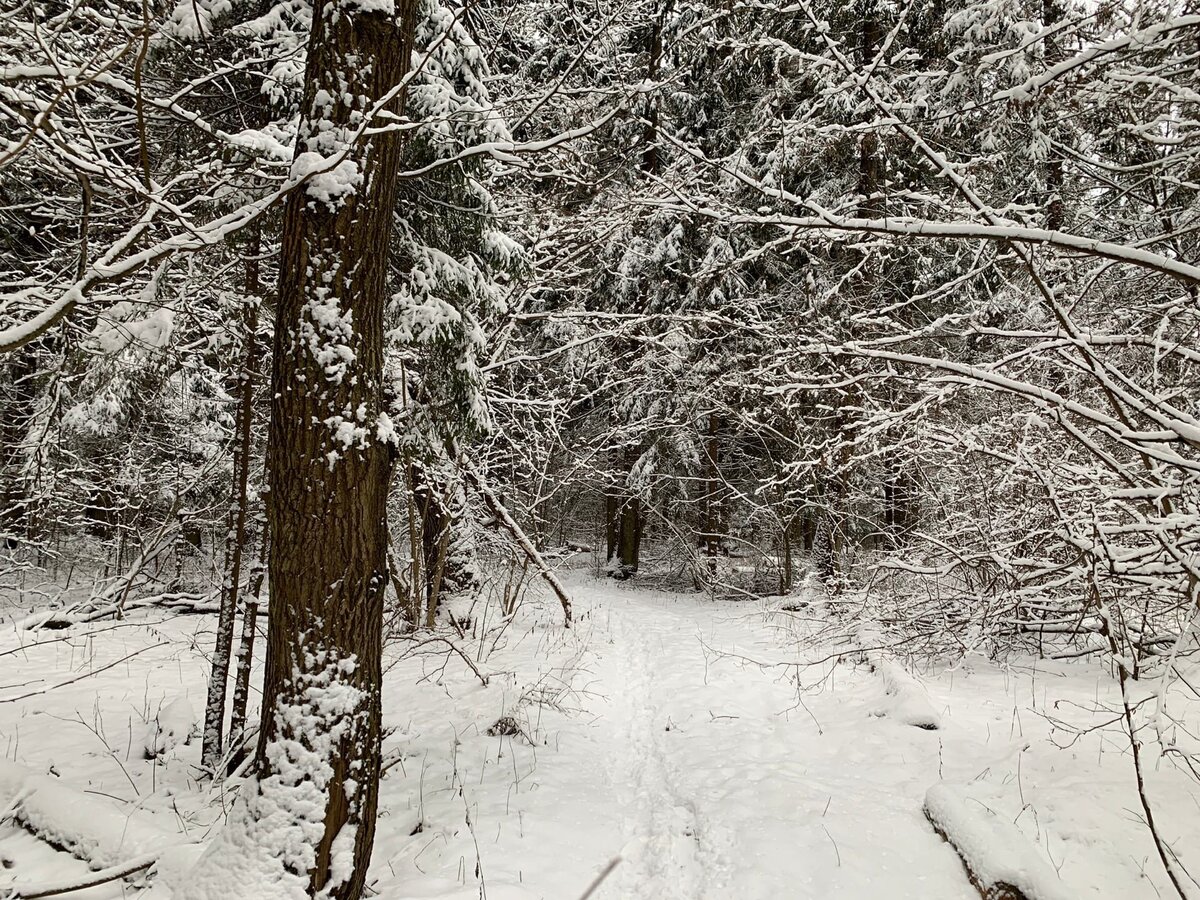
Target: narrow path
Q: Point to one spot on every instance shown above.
(733, 784)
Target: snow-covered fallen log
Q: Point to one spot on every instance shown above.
(96, 609)
(906, 698)
(90, 828)
(71, 885)
(1000, 860)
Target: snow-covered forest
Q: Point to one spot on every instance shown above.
(517, 449)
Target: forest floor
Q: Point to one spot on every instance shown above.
(702, 742)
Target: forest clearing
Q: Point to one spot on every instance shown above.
(580, 449)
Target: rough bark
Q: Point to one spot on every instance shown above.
(328, 473)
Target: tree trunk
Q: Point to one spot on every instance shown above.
(899, 502)
(1056, 208)
(785, 573)
(235, 537)
(630, 540)
(245, 654)
(654, 51)
(711, 540)
(16, 405)
(611, 506)
(623, 512)
(445, 571)
(318, 751)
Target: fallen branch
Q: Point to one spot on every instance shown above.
(84, 675)
(522, 540)
(599, 879)
(83, 882)
(436, 639)
(104, 834)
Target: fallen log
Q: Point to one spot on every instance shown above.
(907, 700)
(1001, 862)
(112, 840)
(90, 880)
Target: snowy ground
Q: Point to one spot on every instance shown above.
(676, 733)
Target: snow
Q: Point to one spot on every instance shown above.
(329, 181)
(193, 19)
(91, 828)
(906, 698)
(699, 741)
(387, 7)
(269, 843)
(996, 851)
(174, 725)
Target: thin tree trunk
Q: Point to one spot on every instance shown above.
(630, 542)
(654, 51)
(611, 508)
(235, 538)
(712, 528)
(435, 527)
(785, 574)
(1056, 208)
(15, 411)
(245, 653)
(623, 512)
(416, 593)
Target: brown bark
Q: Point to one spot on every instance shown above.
(327, 499)
(434, 526)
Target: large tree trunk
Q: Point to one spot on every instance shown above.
(318, 755)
